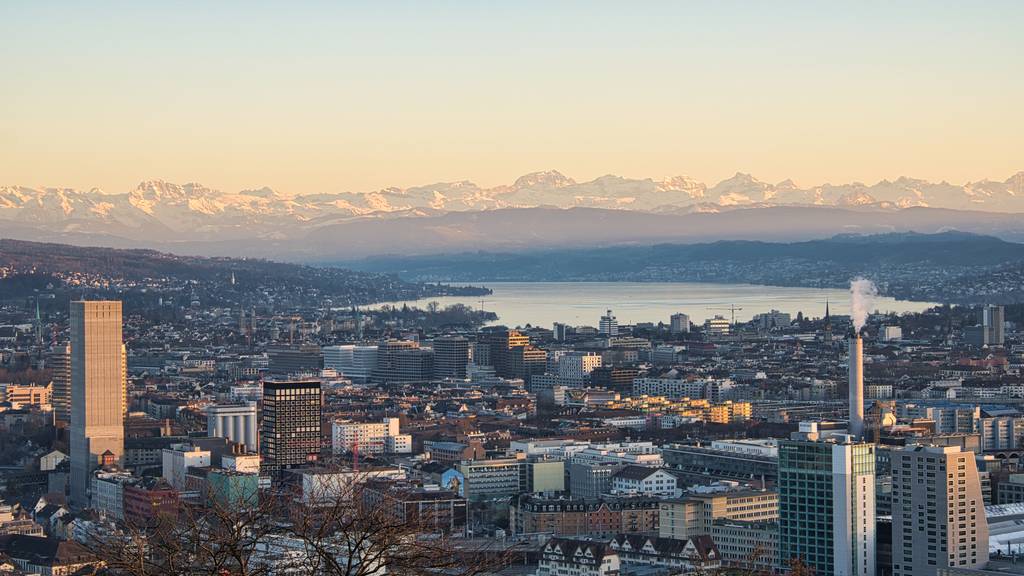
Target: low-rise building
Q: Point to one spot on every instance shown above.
(564, 557)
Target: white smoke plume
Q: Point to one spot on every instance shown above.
(862, 298)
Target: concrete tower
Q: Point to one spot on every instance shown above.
(856, 386)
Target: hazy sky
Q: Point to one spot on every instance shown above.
(332, 96)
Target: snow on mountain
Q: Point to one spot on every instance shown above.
(167, 211)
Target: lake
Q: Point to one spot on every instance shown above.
(583, 303)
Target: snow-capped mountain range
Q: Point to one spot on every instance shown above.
(165, 211)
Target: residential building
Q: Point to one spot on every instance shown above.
(47, 556)
(147, 502)
(644, 480)
(679, 323)
(993, 323)
(747, 545)
(98, 392)
(231, 489)
(106, 494)
(598, 518)
(1001, 432)
(938, 513)
(773, 320)
(370, 437)
(454, 452)
(697, 555)
(696, 513)
(564, 557)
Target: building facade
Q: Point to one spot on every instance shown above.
(827, 504)
(938, 513)
(98, 394)
(290, 430)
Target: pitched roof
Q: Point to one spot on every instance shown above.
(569, 548)
(44, 551)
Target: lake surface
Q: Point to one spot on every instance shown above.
(583, 303)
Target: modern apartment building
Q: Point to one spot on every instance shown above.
(370, 437)
(938, 513)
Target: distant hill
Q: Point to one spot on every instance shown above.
(948, 266)
(28, 267)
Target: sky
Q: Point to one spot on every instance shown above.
(311, 97)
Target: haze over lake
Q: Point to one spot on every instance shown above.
(582, 303)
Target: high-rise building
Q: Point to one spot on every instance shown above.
(451, 355)
(561, 331)
(509, 352)
(353, 361)
(574, 368)
(993, 322)
(59, 362)
(403, 361)
(290, 431)
(98, 395)
(608, 326)
(679, 323)
(938, 513)
(827, 503)
(236, 422)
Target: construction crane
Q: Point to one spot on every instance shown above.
(732, 310)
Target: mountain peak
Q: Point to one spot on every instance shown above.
(546, 178)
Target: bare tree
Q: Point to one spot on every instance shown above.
(337, 528)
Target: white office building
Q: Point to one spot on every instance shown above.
(679, 323)
(178, 459)
(353, 361)
(608, 326)
(574, 368)
(370, 437)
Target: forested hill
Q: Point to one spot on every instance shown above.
(29, 267)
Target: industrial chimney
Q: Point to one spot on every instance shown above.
(856, 385)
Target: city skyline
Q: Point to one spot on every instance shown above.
(342, 97)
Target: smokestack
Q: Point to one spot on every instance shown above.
(857, 386)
